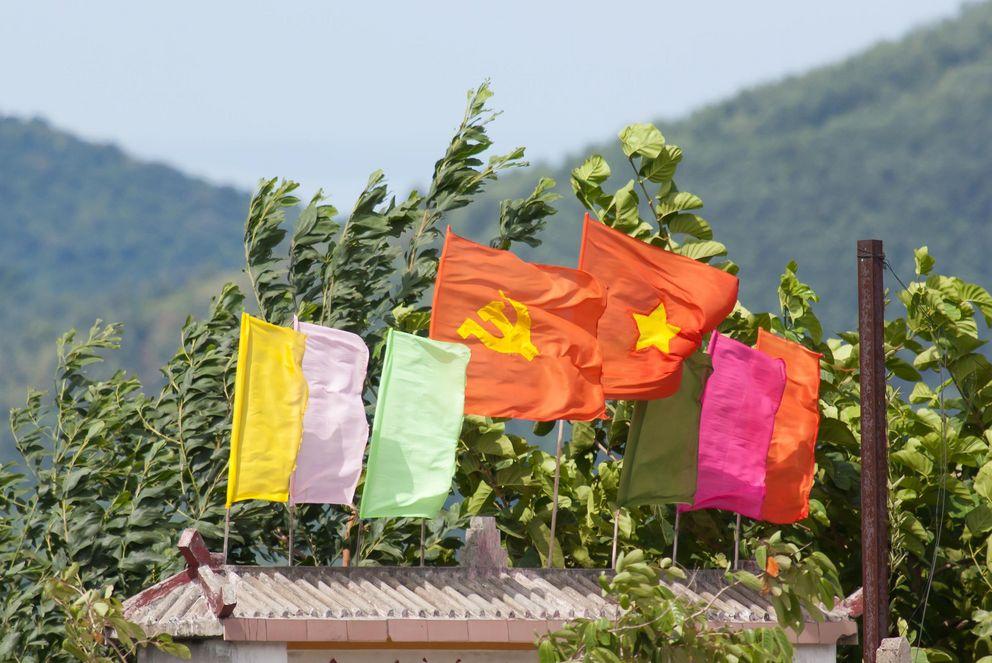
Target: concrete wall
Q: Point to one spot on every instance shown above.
(412, 656)
(217, 651)
(815, 654)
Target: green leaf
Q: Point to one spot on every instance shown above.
(583, 438)
(641, 140)
(479, 498)
(983, 481)
(924, 262)
(662, 168)
(979, 519)
(701, 249)
(690, 224)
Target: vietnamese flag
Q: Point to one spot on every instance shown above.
(658, 307)
(531, 329)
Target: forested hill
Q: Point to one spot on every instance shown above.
(894, 143)
(86, 232)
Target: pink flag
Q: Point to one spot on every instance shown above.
(335, 429)
(735, 427)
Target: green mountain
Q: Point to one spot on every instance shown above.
(89, 232)
(894, 143)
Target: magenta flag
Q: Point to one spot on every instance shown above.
(735, 427)
(335, 429)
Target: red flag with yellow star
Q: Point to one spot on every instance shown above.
(658, 307)
(531, 329)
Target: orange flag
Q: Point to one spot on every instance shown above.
(531, 329)
(658, 306)
(790, 464)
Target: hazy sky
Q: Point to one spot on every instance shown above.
(325, 92)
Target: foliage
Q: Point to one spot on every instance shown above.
(655, 624)
(110, 474)
(96, 629)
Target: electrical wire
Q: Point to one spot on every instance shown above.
(940, 508)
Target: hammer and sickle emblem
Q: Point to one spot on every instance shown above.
(514, 339)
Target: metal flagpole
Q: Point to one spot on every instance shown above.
(737, 543)
(874, 451)
(554, 503)
(675, 542)
(616, 533)
(292, 527)
(423, 528)
(227, 530)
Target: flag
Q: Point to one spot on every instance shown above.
(418, 419)
(270, 396)
(658, 307)
(660, 463)
(335, 429)
(735, 427)
(531, 329)
(791, 461)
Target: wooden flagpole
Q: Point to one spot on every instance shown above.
(292, 530)
(737, 543)
(423, 528)
(616, 533)
(358, 540)
(346, 551)
(227, 530)
(554, 502)
(675, 541)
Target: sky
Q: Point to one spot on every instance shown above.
(325, 92)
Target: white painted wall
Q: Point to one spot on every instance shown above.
(218, 651)
(815, 654)
(411, 656)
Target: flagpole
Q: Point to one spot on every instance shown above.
(346, 551)
(423, 528)
(358, 541)
(292, 527)
(227, 529)
(737, 543)
(675, 542)
(616, 532)
(554, 503)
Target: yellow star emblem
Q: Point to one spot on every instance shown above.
(654, 330)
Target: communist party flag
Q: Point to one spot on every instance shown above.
(658, 307)
(790, 464)
(531, 329)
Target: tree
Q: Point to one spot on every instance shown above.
(111, 474)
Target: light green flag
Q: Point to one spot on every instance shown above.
(661, 461)
(418, 418)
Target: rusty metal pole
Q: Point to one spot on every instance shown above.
(874, 452)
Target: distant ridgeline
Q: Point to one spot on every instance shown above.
(89, 232)
(893, 143)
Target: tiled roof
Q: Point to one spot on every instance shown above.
(372, 603)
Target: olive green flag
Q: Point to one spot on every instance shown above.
(418, 418)
(661, 461)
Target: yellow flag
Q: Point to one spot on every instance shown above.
(270, 395)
